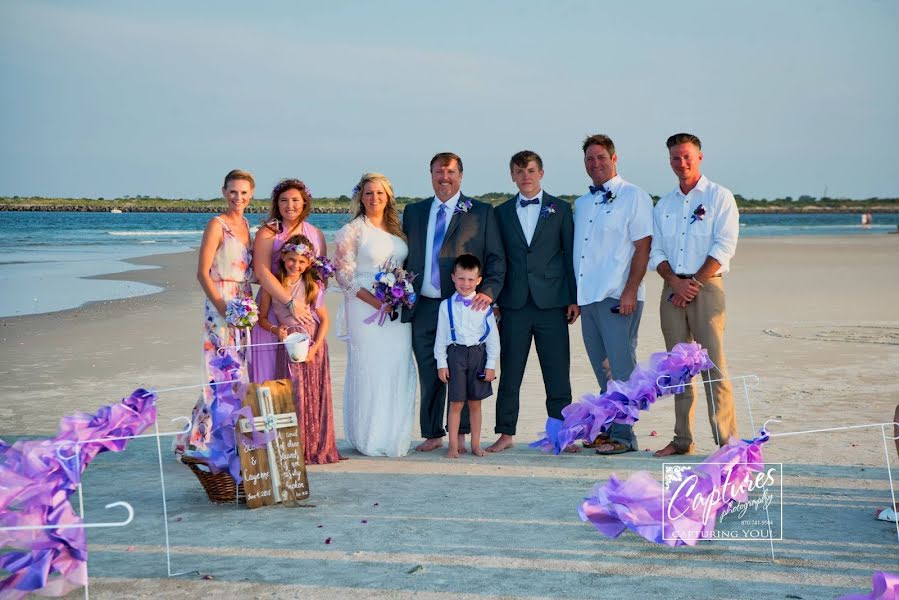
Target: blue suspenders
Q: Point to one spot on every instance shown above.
(449, 309)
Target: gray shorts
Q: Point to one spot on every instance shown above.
(464, 363)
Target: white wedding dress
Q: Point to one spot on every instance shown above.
(379, 391)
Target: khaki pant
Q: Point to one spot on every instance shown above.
(702, 321)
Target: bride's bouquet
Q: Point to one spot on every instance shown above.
(393, 287)
(241, 314)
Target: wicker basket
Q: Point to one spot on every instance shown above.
(219, 486)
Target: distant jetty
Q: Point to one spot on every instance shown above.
(144, 208)
(342, 205)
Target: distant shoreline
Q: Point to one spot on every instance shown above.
(217, 208)
(149, 209)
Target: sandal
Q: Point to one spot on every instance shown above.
(614, 448)
(599, 441)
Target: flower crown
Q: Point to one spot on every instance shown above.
(298, 248)
(286, 184)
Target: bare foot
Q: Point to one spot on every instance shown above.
(573, 449)
(429, 445)
(461, 443)
(452, 453)
(505, 441)
(672, 450)
(477, 450)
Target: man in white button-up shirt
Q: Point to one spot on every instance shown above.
(695, 229)
(612, 236)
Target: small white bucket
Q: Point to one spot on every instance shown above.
(297, 346)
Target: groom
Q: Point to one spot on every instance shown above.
(438, 230)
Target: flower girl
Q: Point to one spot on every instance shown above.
(311, 378)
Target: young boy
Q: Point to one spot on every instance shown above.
(466, 348)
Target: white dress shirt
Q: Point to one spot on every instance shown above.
(528, 215)
(470, 326)
(685, 242)
(428, 290)
(604, 236)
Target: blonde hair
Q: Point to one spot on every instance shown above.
(309, 281)
(391, 212)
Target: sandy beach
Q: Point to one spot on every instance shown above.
(815, 318)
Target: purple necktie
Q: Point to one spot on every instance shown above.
(439, 232)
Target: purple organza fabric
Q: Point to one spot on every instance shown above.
(226, 410)
(884, 586)
(637, 504)
(664, 373)
(35, 484)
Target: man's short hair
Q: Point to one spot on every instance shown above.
(683, 138)
(599, 139)
(467, 262)
(446, 158)
(521, 159)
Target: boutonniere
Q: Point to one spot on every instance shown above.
(463, 206)
(608, 197)
(549, 209)
(698, 214)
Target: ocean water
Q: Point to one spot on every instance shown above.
(47, 258)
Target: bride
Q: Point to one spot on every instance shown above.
(379, 391)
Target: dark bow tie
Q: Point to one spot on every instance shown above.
(597, 188)
(465, 301)
(523, 203)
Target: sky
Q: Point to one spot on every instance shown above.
(162, 98)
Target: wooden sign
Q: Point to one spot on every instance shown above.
(276, 471)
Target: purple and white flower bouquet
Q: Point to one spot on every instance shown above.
(393, 287)
(242, 313)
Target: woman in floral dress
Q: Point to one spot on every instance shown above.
(224, 273)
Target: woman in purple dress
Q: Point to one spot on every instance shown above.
(291, 205)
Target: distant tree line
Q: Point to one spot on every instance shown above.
(341, 203)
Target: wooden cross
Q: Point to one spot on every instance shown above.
(277, 472)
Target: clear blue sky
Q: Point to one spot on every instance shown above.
(163, 97)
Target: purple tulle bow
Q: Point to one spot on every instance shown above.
(664, 373)
(637, 504)
(35, 484)
(884, 586)
(226, 410)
